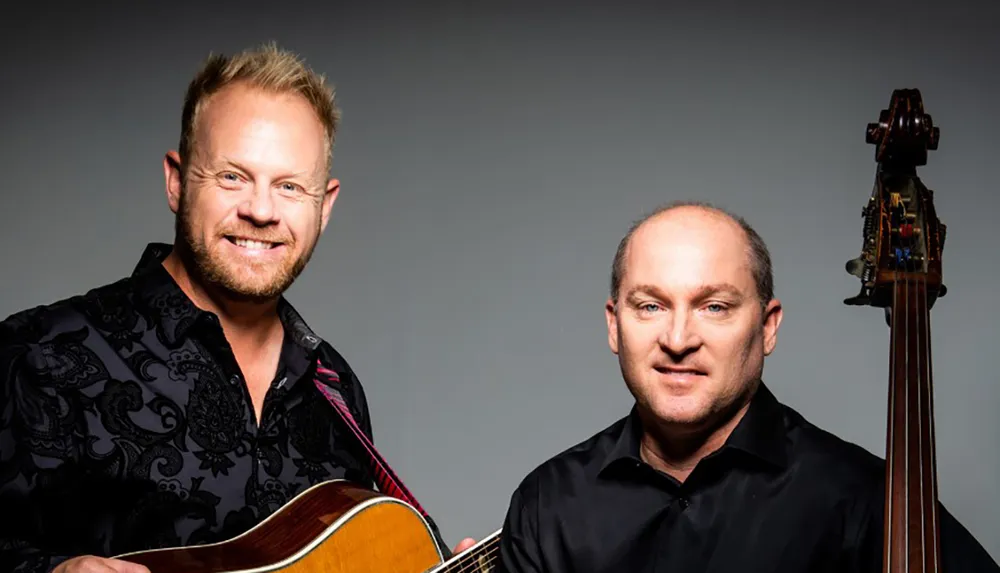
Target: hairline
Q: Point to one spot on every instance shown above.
(758, 256)
(253, 69)
(248, 85)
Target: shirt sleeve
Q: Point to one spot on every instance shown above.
(26, 514)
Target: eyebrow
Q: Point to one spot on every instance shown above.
(225, 161)
(702, 292)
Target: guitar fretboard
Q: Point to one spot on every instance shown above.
(480, 558)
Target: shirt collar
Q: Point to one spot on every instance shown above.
(175, 314)
(760, 433)
(625, 448)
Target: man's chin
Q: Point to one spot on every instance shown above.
(254, 288)
(255, 291)
(692, 420)
(238, 280)
(681, 411)
(254, 296)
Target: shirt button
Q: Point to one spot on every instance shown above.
(683, 502)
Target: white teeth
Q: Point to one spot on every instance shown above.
(248, 244)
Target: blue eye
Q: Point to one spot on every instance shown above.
(291, 188)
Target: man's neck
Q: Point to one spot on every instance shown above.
(249, 323)
(676, 450)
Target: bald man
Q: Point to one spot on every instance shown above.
(708, 472)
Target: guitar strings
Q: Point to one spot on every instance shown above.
(891, 440)
(920, 412)
(473, 562)
(487, 558)
(906, 424)
(930, 417)
(472, 557)
(907, 523)
(915, 298)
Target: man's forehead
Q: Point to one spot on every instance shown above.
(239, 105)
(693, 218)
(692, 233)
(691, 263)
(695, 249)
(254, 138)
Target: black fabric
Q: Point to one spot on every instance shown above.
(125, 424)
(780, 496)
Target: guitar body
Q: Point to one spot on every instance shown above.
(333, 527)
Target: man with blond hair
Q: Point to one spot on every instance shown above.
(176, 406)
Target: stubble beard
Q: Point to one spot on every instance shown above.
(213, 273)
(713, 410)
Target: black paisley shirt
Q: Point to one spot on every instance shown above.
(125, 425)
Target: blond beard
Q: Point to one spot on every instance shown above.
(209, 270)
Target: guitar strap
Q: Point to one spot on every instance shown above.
(388, 482)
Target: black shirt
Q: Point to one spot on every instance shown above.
(780, 496)
(125, 425)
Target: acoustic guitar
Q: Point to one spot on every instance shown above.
(332, 527)
(900, 272)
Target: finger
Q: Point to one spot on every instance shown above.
(120, 566)
(85, 564)
(464, 544)
(92, 565)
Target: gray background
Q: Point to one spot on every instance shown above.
(492, 154)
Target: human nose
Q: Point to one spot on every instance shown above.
(259, 206)
(680, 333)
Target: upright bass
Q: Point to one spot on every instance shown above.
(900, 272)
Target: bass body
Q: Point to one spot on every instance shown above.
(332, 527)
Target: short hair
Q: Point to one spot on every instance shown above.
(760, 257)
(267, 68)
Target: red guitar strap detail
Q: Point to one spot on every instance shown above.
(327, 381)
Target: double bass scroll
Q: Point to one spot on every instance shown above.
(901, 272)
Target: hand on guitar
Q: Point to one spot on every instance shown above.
(92, 564)
(481, 560)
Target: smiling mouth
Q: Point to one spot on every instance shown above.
(252, 244)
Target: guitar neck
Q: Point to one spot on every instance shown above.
(480, 558)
